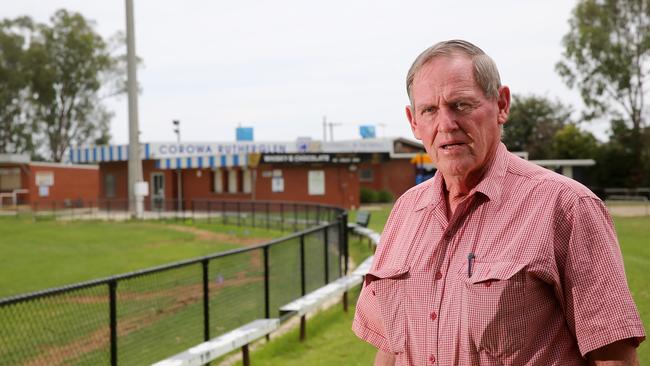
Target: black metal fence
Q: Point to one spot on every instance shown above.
(269, 214)
(145, 316)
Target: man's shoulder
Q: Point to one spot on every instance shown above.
(416, 196)
(535, 177)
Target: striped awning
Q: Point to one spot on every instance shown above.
(200, 162)
(99, 154)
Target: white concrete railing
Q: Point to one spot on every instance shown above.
(246, 334)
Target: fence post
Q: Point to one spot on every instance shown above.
(238, 213)
(303, 285)
(344, 243)
(281, 216)
(327, 257)
(206, 301)
(223, 212)
(267, 302)
(253, 212)
(268, 216)
(112, 297)
(209, 212)
(295, 217)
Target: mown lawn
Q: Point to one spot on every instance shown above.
(44, 254)
(331, 341)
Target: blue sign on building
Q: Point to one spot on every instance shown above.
(367, 131)
(244, 134)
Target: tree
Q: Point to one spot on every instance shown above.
(533, 123)
(69, 61)
(15, 128)
(572, 143)
(606, 58)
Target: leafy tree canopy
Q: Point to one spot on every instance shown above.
(58, 74)
(533, 123)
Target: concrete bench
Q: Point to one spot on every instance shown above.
(317, 298)
(223, 344)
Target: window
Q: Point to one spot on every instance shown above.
(217, 185)
(232, 181)
(366, 175)
(9, 179)
(277, 181)
(109, 185)
(247, 181)
(316, 182)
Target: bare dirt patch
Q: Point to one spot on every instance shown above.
(182, 297)
(207, 235)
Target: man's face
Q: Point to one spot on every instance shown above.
(456, 122)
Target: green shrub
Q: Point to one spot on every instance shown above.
(367, 195)
(384, 196)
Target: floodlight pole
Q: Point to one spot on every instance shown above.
(135, 163)
(179, 180)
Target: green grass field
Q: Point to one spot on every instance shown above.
(331, 341)
(44, 254)
(158, 314)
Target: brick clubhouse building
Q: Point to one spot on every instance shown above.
(299, 171)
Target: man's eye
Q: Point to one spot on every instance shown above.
(461, 106)
(428, 110)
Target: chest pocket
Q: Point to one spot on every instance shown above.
(495, 306)
(387, 286)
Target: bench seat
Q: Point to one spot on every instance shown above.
(223, 344)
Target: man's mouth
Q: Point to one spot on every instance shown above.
(451, 145)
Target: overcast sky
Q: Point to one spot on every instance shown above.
(280, 66)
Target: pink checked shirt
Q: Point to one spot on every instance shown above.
(545, 285)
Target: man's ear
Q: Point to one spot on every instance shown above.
(503, 102)
(410, 115)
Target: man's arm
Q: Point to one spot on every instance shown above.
(384, 359)
(621, 353)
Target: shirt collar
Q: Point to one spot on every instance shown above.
(490, 185)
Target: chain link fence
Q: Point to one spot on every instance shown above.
(142, 317)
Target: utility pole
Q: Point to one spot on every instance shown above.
(324, 128)
(332, 124)
(179, 172)
(135, 163)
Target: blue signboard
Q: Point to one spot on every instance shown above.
(367, 131)
(244, 133)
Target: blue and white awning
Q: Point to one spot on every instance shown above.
(100, 154)
(108, 153)
(200, 162)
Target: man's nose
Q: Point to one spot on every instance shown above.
(446, 120)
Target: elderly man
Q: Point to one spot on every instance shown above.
(493, 261)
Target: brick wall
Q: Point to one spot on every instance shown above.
(71, 183)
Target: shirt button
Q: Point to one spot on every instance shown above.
(432, 359)
(487, 283)
(438, 275)
(433, 315)
(372, 292)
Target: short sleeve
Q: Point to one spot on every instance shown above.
(599, 307)
(367, 323)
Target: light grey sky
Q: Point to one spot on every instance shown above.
(280, 66)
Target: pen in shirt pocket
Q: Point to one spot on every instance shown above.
(470, 260)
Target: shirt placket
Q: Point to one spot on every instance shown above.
(446, 287)
(433, 344)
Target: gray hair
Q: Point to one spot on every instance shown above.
(486, 74)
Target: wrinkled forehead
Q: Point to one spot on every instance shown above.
(445, 72)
